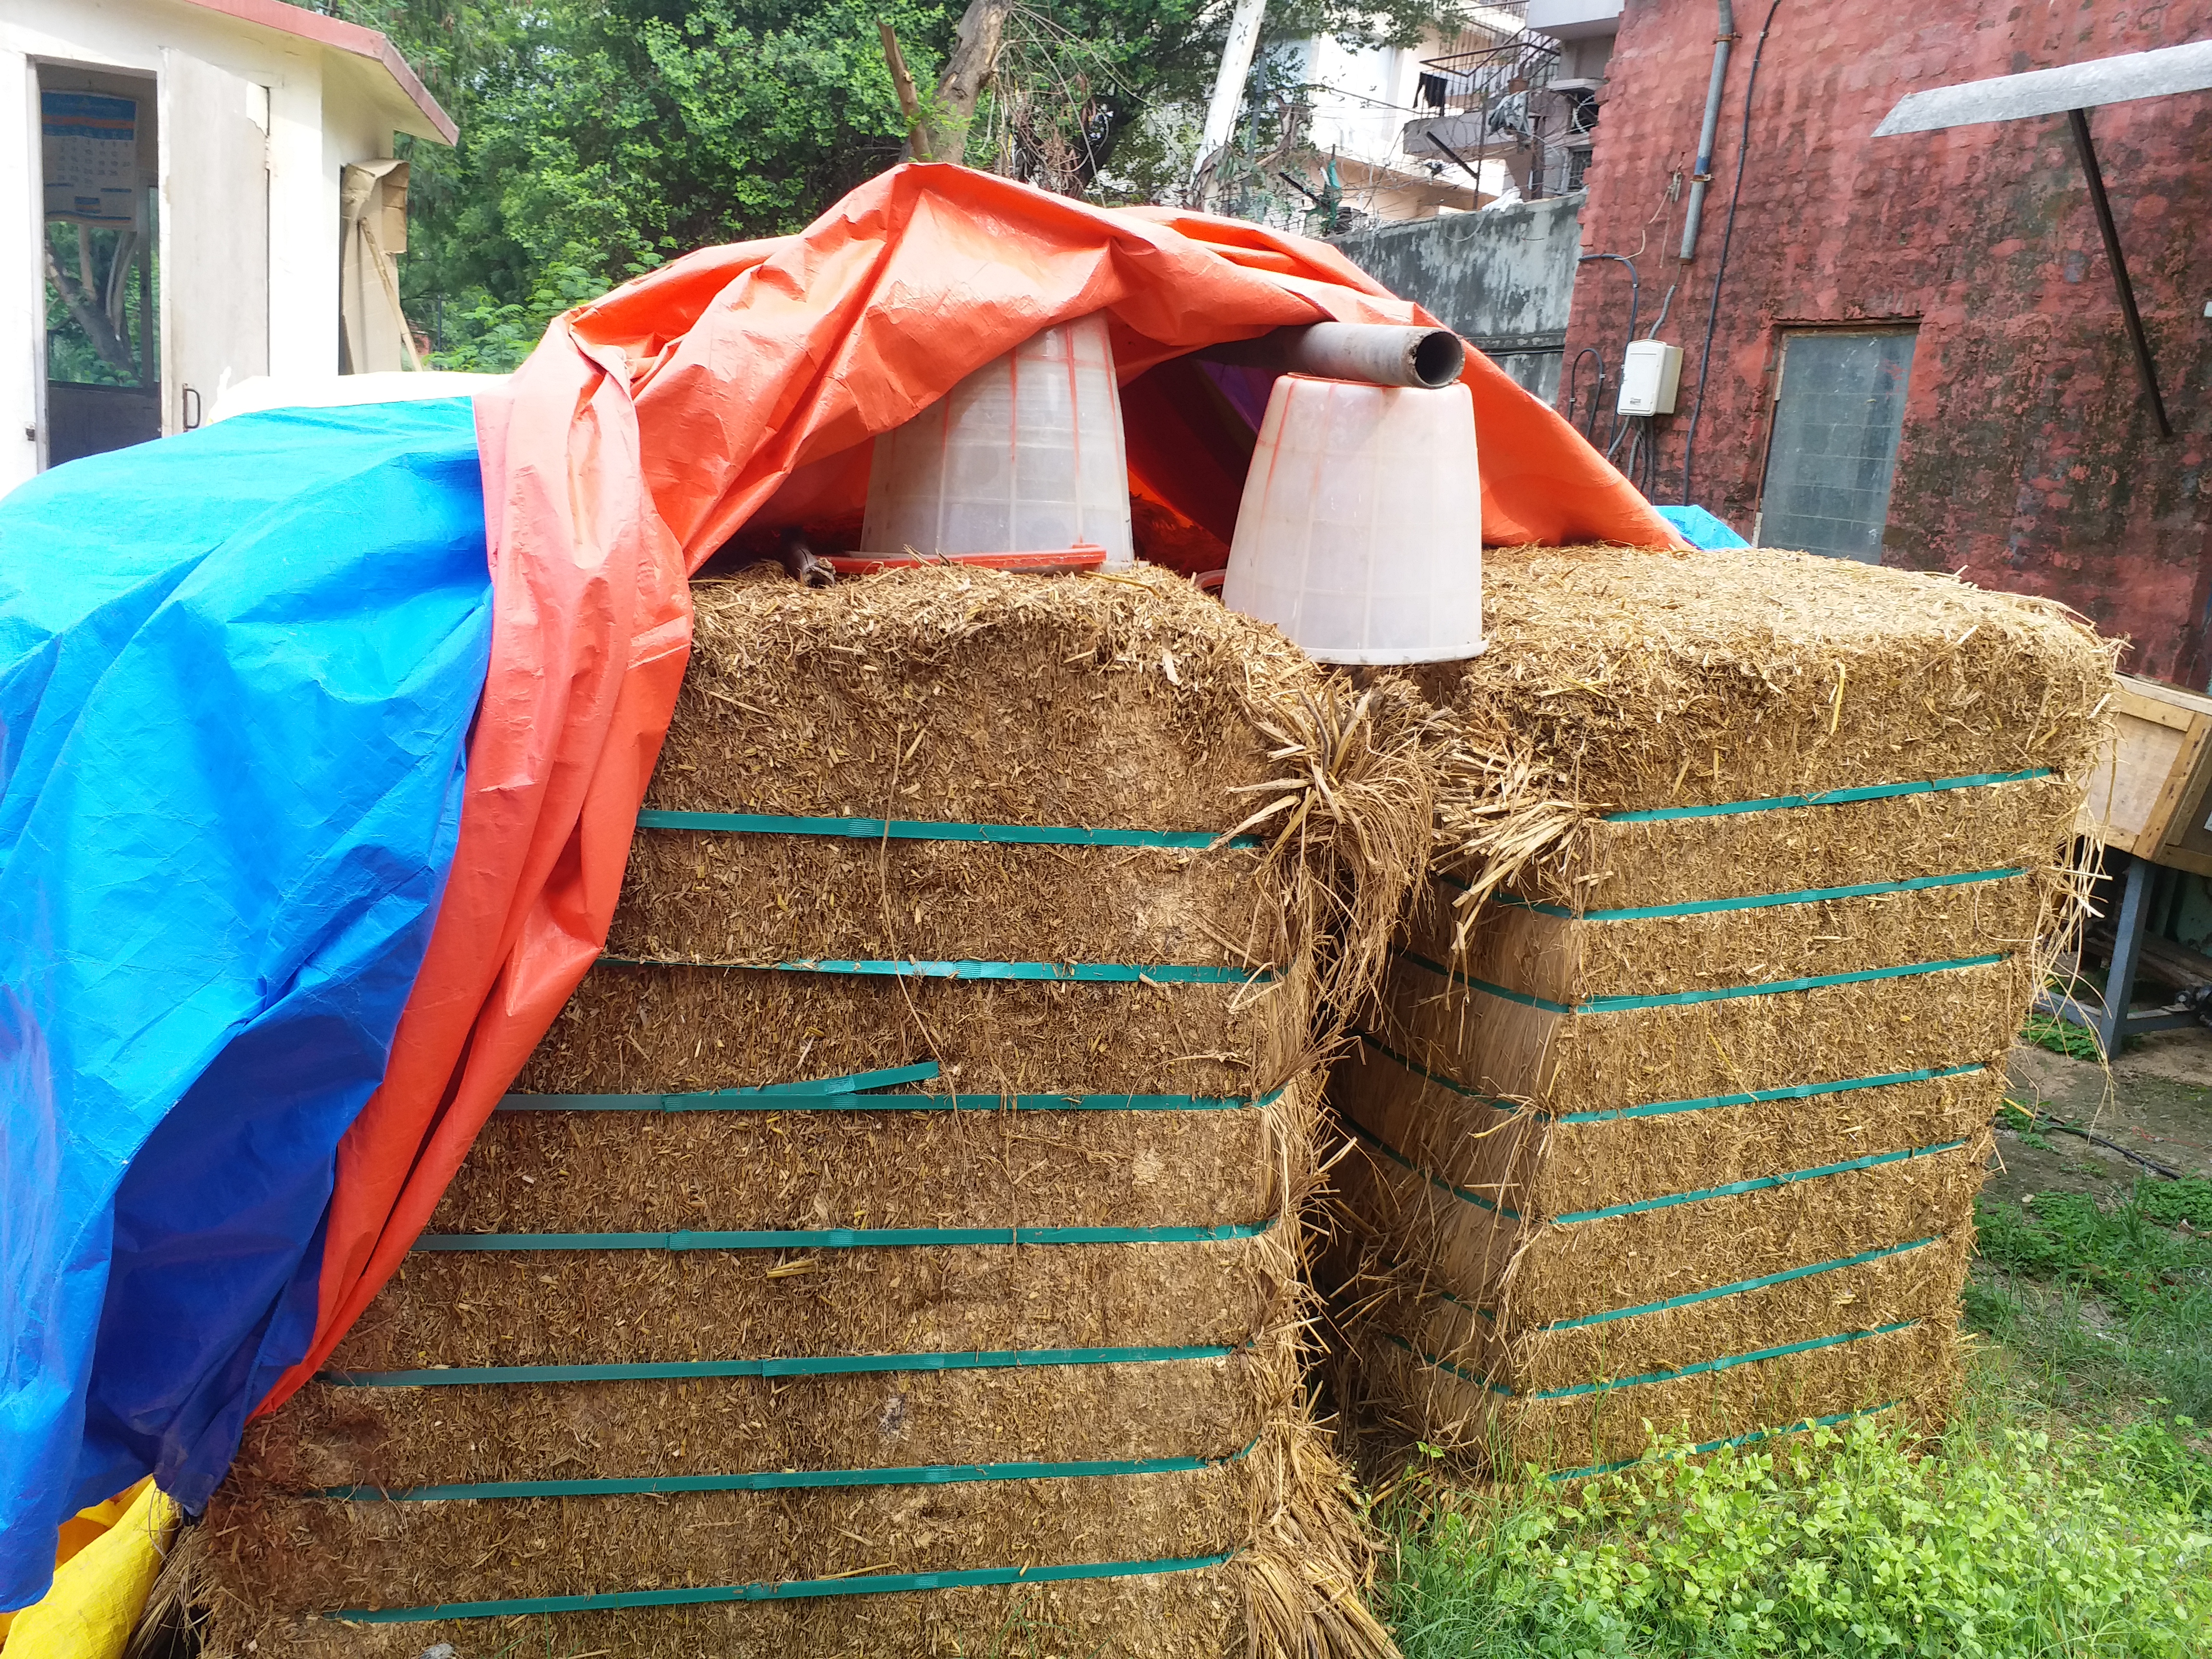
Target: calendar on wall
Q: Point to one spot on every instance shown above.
(90, 153)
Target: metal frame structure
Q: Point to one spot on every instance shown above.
(2072, 90)
(2110, 1018)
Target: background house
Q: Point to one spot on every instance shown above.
(1910, 349)
(187, 162)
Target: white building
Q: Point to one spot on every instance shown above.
(218, 134)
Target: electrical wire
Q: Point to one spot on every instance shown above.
(1597, 392)
(1727, 233)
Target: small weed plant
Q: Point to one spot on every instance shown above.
(2012, 1540)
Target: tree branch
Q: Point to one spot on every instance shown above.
(85, 308)
(967, 72)
(917, 137)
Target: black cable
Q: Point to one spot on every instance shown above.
(1635, 287)
(1574, 373)
(1635, 301)
(1720, 270)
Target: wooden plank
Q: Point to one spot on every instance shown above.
(2141, 799)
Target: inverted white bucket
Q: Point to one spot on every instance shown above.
(1024, 455)
(1361, 536)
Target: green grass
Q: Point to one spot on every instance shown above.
(2104, 1308)
(2011, 1539)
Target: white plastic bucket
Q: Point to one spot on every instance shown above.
(1024, 455)
(1360, 535)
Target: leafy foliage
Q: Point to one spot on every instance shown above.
(2060, 1036)
(602, 137)
(2015, 1542)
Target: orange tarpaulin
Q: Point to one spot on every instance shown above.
(651, 424)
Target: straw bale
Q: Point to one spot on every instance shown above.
(1920, 1281)
(1604, 1061)
(311, 1555)
(1543, 1168)
(398, 1437)
(699, 896)
(1568, 1270)
(1645, 680)
(651, 1030)
(1295, 1585)
(924, 693)
(1566, 959)
(585, 1307)
(1605, 866)
(921, 694)
(660, 1171)
(1183, 1615)
(1918, 1366)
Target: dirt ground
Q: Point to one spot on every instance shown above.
(2156, 1101)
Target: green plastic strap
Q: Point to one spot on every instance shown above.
(928, 1103)
(1726, 1363)
(1361, 1132)
(790, 1590)
(1076, 973)
(1368, 1040)
(1756, 1096)
(1735, 1188)
(1020, 835)
(1759, 901)
(1668, 1108)
(838, 1238)
(1750, 1439)
(981, 1359)
(927, 1474)
(1833, 798)
(828, 1088)
(1742, 1287)
(1684, 998)
(849, 1101)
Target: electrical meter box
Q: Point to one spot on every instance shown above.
(1650, 373)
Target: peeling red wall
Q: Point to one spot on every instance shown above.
(2029, 457)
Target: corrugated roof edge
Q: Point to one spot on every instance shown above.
(341, 36)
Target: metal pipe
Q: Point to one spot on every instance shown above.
(1380, 353)
(1702, 175)
(2079, 120)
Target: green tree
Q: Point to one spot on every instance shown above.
(602, 137)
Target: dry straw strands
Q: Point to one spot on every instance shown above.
(829, 1367)
(1676, 1095)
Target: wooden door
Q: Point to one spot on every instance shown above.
(215, 235)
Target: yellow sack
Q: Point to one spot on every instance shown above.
(100, 1591)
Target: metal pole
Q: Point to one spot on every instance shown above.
(2079, 120)
(2127, 950)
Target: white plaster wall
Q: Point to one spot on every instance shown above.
(22, 278)
(324, 110)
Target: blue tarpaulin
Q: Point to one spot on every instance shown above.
(237, 670)
(1701, 528)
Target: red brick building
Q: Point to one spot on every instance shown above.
(1943, 298)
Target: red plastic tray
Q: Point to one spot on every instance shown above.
(1081, 556)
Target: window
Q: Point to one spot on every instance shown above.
(1832, 454)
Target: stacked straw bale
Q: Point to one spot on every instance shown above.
(949, 697)
(1672, 1116)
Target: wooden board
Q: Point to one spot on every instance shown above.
(2148, 796)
